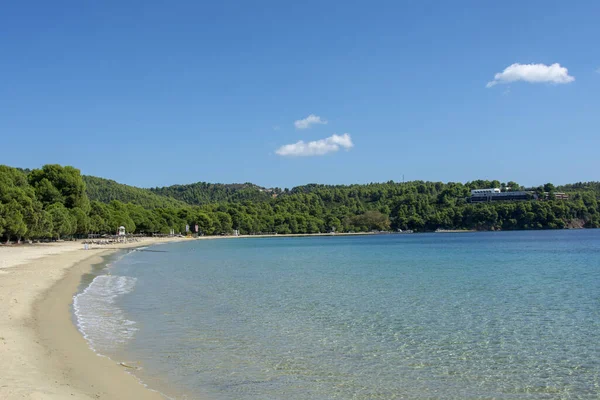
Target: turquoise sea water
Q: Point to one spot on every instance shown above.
(507, 315)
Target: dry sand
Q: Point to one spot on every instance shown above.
(42, 354)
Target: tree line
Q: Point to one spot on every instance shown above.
(56, 202)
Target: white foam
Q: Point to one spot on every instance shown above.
(101, 322)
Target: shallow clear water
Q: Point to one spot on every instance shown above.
(470, 315)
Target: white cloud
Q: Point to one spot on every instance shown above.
(317, 147)
(598, 70)
(532, 73)
(308, 121)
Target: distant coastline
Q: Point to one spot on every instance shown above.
(57, 202)
(455, 230)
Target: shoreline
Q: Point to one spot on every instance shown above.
(43, 355)
(283, 235)
(97, 375)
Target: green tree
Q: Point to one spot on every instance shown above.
(66, 180)
(43, 227)
(513, 186)
(371, 220)
(283, 229)
(224, 222)
(14, 224)
(63, 224)
(205, 223)
(2, 221)
(333, 223)
(121, 218)
(82, 221)
(47, 193)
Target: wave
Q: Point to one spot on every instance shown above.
(99, 320)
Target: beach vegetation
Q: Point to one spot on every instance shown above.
(13, 220)
(63, 222)
(58, 202)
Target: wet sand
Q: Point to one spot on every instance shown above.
(42, 354)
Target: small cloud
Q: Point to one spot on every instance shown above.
(317, 147)
(308, 121)
(276, 127)
(506, 91)
(598, 71)
(532, 73)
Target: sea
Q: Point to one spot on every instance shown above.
(490, 315)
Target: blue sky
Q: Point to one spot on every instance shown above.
(155, 93)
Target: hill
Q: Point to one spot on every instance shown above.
(581, 186)
(58, 202)
(205, 193)
(106, 190)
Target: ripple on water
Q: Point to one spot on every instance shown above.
(503, 315)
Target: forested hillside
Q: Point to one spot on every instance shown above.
(206, 193)
(581, 187)
(105, 191)
(57, 202)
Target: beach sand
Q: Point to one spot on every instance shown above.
(42, 354)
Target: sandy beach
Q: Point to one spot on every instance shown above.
(42, 354)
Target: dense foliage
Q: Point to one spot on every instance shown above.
(206, 193)
(105, 191)
(57, 202)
